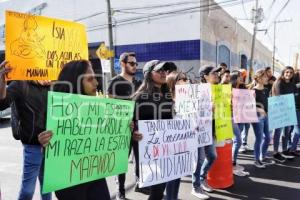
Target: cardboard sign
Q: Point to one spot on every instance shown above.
(223, 120)
(244, 106)
(194, 102)
(281, 111)
(91, 139)
(38, 47)
(167, 151)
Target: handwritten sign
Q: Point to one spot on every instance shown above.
(244, 106)
(167, 151)
(222, 102)
(281, 111)
(38, 47)
(91, 139)
(194, 102)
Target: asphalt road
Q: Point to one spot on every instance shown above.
(280, 181)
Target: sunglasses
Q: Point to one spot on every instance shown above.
(132, 64)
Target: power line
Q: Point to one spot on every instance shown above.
(278, 14)
(244, 9)
(202, 8)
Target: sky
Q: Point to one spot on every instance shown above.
(287, 34)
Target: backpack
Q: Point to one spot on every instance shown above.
(15, 121)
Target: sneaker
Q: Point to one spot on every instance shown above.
(242, 149)
(267, 161)
(279, 158)
(238, 167)
(259, 164)
(287, 155)
(198, 192)
(239, 173)
(145, 190)
(120, 196)
(206, 187)
(247, 148)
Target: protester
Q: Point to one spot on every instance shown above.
(153, 102)
(294, 143)
(206, 155)
(223, 67)
(271, 80)
(225, 77)
(237, 82)
(30, 101)
(81, 80)
(261, 128)
(174, 78)
(122, 87)
(283, 85)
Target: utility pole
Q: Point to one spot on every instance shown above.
(110, 37)
(256, 19)
(274, 43)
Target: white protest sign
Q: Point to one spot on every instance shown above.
(167, 151)
(194, 102)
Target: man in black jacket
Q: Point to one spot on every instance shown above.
(30, 100)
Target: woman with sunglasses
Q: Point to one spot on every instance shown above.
(153, 102)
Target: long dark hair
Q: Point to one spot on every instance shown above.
(280, 80)
(71, 76)
(147, 86)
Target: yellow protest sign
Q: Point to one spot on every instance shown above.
(37, 47)
(223, 121)
(103, 52)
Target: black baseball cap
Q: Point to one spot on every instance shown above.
(205, 70)
(153, 65)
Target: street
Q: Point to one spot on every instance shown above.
(280, 181)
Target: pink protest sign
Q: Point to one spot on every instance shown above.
(244, 106)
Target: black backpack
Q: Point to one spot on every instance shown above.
(15, 121)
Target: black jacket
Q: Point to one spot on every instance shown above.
(31, 104)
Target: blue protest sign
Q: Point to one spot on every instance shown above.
(281, 111)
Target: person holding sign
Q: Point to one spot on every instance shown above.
(175, 78)
(283, 85)
(122, 87)
(261, 129)
(30, 100)
(208, 74)
(153, 102)
(78, 77)
(237, 83)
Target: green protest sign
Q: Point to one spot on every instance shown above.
(91, 138)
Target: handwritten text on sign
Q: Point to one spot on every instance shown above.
(38, 47)
(91, 139)
(167, 151)
(244, 106)
(223, 121)
(281, 111)
(194, 102)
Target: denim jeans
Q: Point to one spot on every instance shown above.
(244, 128)
(276, 138)
(172, 189)
(237, 141)
(32, 169)
(206, 157)
(296, 137)
(262, 137)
